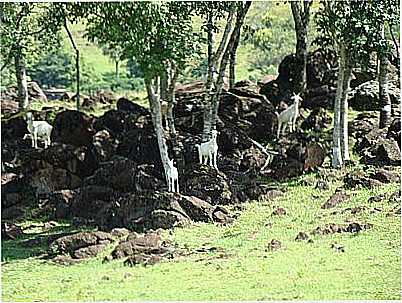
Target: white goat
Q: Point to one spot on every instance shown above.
(38, 129)
(289, 115)
(209, 150)
(172, 177)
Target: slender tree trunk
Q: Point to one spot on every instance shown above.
(232, 63)
(336, 135)
(209, 83)
(347, 73)
(171, 99)
(155, 106)
(116, 66)
(212, 85)
(301, 20)
(385, 101)
(219, 85)
(21, 75)
(77, 65)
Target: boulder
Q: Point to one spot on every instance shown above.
(81, 245)
(105, 145)
(125, 105)
(73, 127)
(208, 184)
(124, 175)
(35, 92)
(317, 120)
(366, 96)
(153, 210)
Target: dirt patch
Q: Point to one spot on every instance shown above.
(273, 245)
(280, 211)
(332, 228)
(302, 236)
(336, 199)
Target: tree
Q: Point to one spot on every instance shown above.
(218, 60)
(383, 14)
(114, 53)
(158, 35)
(341, 24)
(24, 32)
(301, 16)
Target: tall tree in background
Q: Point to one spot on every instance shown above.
(301, 17)
(22, 26)
(60, 15)
(158, 35)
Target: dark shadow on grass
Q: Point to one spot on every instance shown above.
(34, 244)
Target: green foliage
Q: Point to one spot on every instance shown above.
(272, 35)
(24, 28)
(356, 25)
(54, 69)
(152, 33)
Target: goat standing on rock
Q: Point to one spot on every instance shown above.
(38, 129)
(172, 177)
(209, 150)
(289, 115)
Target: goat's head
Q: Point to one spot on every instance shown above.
(296, 98)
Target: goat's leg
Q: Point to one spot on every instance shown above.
(36, 139)
(211, 159)
(33, 141)
(177, 185)
(205, 159)
(200, 156)
(279, 130)
(215, 156)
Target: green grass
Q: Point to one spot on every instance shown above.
(241, 269)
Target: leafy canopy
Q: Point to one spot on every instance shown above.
(152, 32)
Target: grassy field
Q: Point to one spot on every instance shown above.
(240, 268)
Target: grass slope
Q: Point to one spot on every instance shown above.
(241, 268)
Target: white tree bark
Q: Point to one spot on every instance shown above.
(155, 106)
(336, 135)
(212, 82)
(385, 101)
(21, 75)
(347, 73)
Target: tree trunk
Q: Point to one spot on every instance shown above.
(116, 66)
(336, 135)
(77, 64)
(21, 75)
(232, 63)
(155, 107)
(219, 85)
(212, 82)
(209, 83)
(170, 94)
(301, 20)
(385, 101)
(347, 73)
